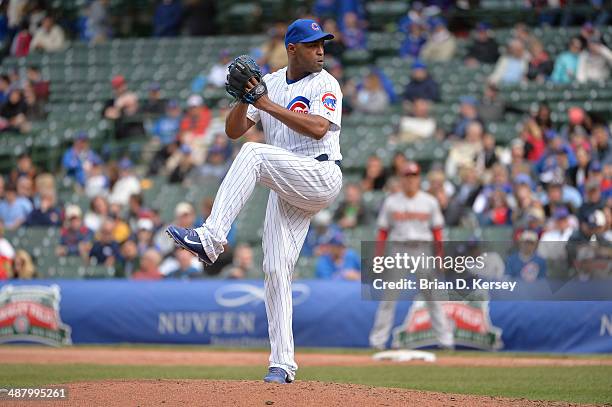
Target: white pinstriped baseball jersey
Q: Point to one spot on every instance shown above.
(318, 93)
(300, 186)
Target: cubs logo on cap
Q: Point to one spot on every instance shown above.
(304, 30)
(329, 101)
(299, 104)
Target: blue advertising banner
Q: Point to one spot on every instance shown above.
(326, 314)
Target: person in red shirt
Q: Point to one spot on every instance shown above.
(149, 266)
(196, 120)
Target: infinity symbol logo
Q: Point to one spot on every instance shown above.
(237, 295)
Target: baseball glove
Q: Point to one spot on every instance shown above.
(240, 71)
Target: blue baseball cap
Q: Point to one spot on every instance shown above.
(418, 64)
(303, 30)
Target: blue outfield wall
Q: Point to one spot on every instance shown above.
(326, 314)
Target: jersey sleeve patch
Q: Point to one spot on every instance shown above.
(329, 101)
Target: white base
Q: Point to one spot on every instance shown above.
(405, 356)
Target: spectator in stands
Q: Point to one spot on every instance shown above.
(594, 62)
(184, 166)
(183, 265)
(5, 86)
(165, 131)
(24, 169)
(98, 22)
(353, 33)
(218, 72)
(105, 249)
(23, 266)
(339, 262)
(600, 140)
(540, 65)
(560, 232)
(484, 49)
(417, 123)
(7, 254)
(47, 213)
(97, 182)
(566, 64)
(200, 17)
(398, 163)
(217, 157)
(577, 175)
(534, 140)
(123, 110)
(468, 113)
(592, 229)
(275, 54)
(49, 37)
(144, 236)
(127, 184)
(521, 33)
(421, 85)
(414, 41)
(25, 188)
(320, 227)
(496, 179)
(137, 211)
(593, 199)
(35, 109)
(21, 43)
(336, 47)
(560, 194)
(488, 156)
(167, 18)
(184, 216)
(155, 104)
(371, 97)
(98, 212)
(374, 176)
(417, 14)
(511, 68)
(352, 211)
(439, 187)
(149, 266)
(525, 264)
(441, 44)
(467, 190)
(75, 238)
(40, 85)
(242, 267)
(543, 117)
(129, 262)
(121, 229)
(14, 209)
(13, 113)
(491, 107)
(196, 120)
(466, 151)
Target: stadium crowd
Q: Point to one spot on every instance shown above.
(550, 183)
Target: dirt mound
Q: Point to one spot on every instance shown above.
(255, 393)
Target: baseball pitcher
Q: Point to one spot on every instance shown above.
(299, 107)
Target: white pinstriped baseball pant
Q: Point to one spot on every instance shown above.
(300, 187)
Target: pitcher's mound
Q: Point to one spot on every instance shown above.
(256, 393)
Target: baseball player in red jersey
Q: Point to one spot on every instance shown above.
(410, 215)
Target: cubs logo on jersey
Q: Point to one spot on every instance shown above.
(329, 101)
(299, 104)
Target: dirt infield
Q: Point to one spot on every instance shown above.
(114, 356)
(252, 393)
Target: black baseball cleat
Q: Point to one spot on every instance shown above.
(189, 240)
